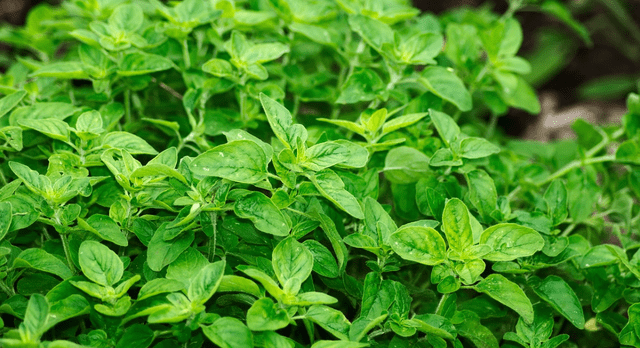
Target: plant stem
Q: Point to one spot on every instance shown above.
(185, 54)
(568, 230)
(171, 91)
(211, 245)
(492, 125)
(579, 163)
(67, 254)
(442, 300)
(127, 105)
(3, 178)
(7, 290)
(575, 164)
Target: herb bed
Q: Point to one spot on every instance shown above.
(286, 173)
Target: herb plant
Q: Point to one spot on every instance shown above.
(291, 173)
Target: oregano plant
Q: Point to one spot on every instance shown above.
(288, 173)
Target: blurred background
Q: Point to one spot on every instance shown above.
(584, 65)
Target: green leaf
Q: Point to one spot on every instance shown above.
(330, 230)
(357, 156)
(446, 85)
(332, 188)
(232, 283)
(324, 263)
(99, 263)
(5, 218)
(89, 125)
(313, 32)
(482, 193)
(270, 339)
(281, 122)
(402, 122)
(311, 298)
(419, 244)
(469, 326)
(556, 198)
(127, 141)
(555, 291)
(263, 213)
(362, 85)
(13, 136)
(444, 158)
(218, 67)
(206, 282)
(159, 286)
(71, 306)
(405, 165)
(187, 266)
(445, 125)
(264, 315)
(352, 126)
(523, 97)
(330, 319)
(508, 293)
(39, 111)
(105, 228)
(372, 31)
(63, 70)
(559, 11)
(239, 161)
(35, 318)
(157, 169)
(420, 49)
(629, 334)
(41, 260)
(435, 325)
(8, 102)
(127, 18)
(456, 226)
(511, 241)
(265, 280)
(161, 253)
(292, 260)
(262, 53)
(378, 224)
(477, 148)
(325, 155)
(338, 344)
(229, 332)
(136, 336)
(135, 64)
(50, 127)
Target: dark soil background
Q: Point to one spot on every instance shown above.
(615, 52)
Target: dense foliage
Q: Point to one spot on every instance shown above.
(292, 173)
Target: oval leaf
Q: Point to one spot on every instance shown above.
(508, 293)
(510, 241)
(419, 244)
(240, 161)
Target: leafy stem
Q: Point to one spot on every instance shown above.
(579, 162)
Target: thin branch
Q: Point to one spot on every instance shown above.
(171, 91)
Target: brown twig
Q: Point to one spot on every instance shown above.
(172, 91)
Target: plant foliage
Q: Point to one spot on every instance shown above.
(291, 173)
